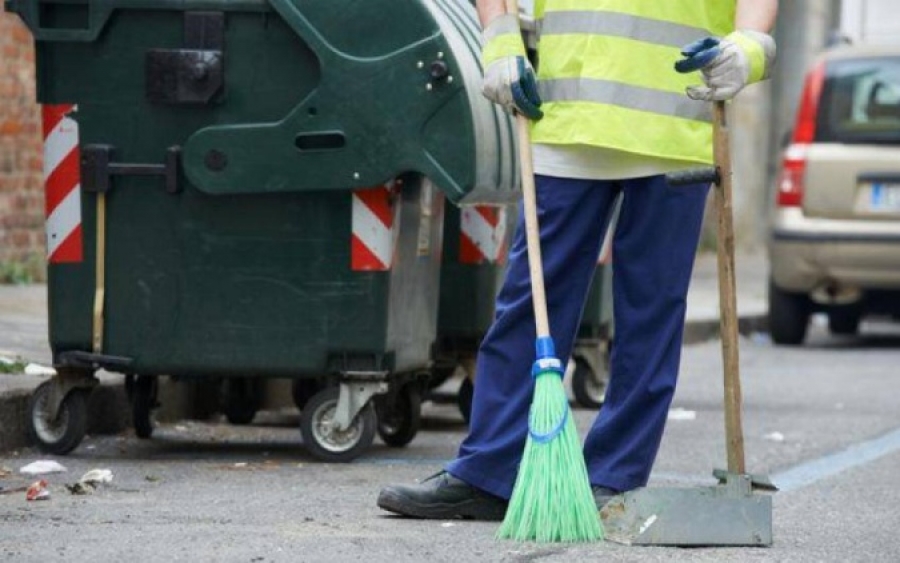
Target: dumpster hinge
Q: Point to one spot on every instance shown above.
(97, 168)
(194, 74)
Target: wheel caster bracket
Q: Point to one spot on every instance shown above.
(61, 386)
(355, 393)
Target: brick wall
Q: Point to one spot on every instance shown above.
(21, 190)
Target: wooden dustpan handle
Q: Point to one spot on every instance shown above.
(734, 432)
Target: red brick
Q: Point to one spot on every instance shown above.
(19, 238)
(31, 130)
(21, 183)
(10, 127)
(36, 164)
(20, 34)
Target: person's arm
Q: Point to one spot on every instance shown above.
(508, 77)
(758, 15)
(489, 9)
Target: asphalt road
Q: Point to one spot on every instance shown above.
(823, 421)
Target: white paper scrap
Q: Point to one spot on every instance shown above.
(42, 467)
(682, 414)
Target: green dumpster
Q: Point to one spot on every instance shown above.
(247, 189)
(590, 355)
(589, 365)
(476, 241)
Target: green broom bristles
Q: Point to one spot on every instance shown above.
(552, 499)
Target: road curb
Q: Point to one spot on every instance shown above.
(110, 413)
(701, 330)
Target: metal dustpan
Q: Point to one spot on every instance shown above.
(727, 514)
(734, 512)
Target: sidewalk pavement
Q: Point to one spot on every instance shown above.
(23, 336)
(752, 273)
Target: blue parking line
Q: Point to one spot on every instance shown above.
(439, 462)
(830, 465)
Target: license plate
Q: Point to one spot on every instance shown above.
(884, 198)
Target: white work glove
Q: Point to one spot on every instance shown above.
(508, 77)
(729, 64)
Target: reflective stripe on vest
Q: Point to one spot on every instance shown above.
(606, 75)
(716, 16)
(625, 95)
(619, 25)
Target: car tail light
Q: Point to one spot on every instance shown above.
(790, 184)
(793, 167)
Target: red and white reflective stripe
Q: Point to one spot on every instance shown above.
(62, 181)
(372, 242)
(482, 235)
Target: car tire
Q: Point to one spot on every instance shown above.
(789, 314)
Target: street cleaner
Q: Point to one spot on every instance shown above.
(610, 117)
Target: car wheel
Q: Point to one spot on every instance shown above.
(788, 315)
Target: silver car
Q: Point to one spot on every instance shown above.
(834, 243)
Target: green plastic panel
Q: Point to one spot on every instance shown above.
(255, 282)
(390, 87)
(597, 317)
(466, 306)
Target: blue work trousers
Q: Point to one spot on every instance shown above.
(653, 254)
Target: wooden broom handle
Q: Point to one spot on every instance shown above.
(100, 274)
(734, 432)
(532, 230)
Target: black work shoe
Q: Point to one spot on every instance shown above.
(603, 495)
(442, 496)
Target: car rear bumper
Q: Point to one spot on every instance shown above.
(806, 254)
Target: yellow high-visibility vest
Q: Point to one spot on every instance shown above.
(606, 75)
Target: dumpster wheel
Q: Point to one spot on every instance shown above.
(588, 386)
(304, 389)
(241, 401)
(464, 398)
(62, 435)
(143, 401)
(324, 439)
(398, 423)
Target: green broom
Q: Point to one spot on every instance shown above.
(552, 499)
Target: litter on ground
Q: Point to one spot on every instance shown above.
(42, 467)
